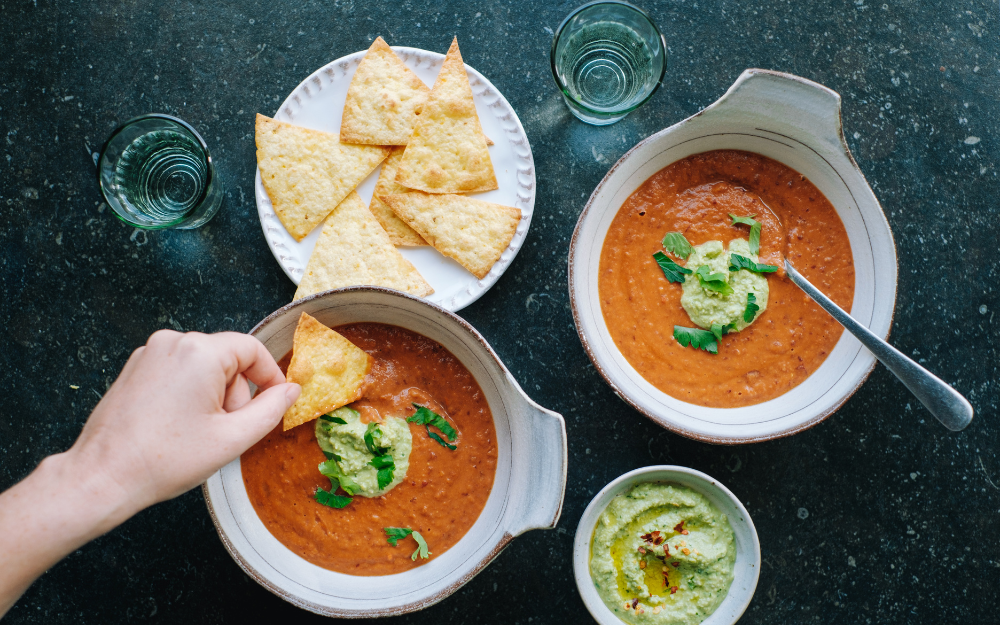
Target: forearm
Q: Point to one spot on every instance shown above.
(59, 507)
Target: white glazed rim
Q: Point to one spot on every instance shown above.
(707, 486)
(505, 116)
(680, 421)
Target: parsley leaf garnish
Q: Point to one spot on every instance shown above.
(383, 459)
(737, 262)
(676, 244)
(333, 419)
(713, 281)
(427, 417)
(421, 547)
(754, 230)
(673, 271)
(752, 308)
(696, 338)
(332, 470)
(395, 534)
(718, 330)
(329, 499)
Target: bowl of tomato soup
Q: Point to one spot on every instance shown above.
(467, 497)
(769, 156)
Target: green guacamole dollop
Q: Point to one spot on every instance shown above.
(348, 442)
(707, 307)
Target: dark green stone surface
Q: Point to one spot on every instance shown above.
(878, 515)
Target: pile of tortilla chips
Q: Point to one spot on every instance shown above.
(432, 149)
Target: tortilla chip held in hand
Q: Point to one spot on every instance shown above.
(353, 249)
(447, 152)
(307, 173)
(382, 100)
(396, 228)
(473, 232)
(330, 369)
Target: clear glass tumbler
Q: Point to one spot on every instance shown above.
(608, 58)
(156, 172)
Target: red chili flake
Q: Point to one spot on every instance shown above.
(635, 602)
(679, 528)
(675, 564)
(647, 537)
(666, 550)
(673, 589)
(658, 540)
(642, 549)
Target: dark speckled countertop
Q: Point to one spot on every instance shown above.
(878, 515)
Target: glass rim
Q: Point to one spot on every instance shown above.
(210, 166)
(555, 42)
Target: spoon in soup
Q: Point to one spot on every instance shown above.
(944, 402)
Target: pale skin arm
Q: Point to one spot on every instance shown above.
(179, 410)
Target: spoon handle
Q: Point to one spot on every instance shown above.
(944, 402)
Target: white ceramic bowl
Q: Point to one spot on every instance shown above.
(793, 121)
(747, 568)
(527, 490)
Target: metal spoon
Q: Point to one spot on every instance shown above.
(944, 402)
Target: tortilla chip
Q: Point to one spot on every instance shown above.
(447, 152)
(354, 250)
(330, 369)
(473, 232)
(307, 173)
(399, 233)
(382, 99)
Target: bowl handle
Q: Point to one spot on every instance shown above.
(538, 480)
(807, 106)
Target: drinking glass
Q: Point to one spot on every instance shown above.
(608, 59)
(156, 172)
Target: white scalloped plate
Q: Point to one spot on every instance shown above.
(318, 103)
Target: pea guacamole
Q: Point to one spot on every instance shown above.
(662, 554)
(706, 306)
(346, 442)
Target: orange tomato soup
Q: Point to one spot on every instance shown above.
(694, 196)
(443, 493)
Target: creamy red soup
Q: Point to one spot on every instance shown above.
(695, 196)
(444, 491)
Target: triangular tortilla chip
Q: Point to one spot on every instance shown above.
(307, 172)
(447, 152)
(396, 228)
(473, 232)
(330, 369)
(353, 249)
(382, 99)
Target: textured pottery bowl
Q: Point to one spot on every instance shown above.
(795, 122)
(747, 568)
(527, 490)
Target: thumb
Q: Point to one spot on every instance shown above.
(263, 412)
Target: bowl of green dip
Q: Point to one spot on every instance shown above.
(666, 545)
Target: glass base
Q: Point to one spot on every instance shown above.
(590, 118)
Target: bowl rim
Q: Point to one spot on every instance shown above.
(591, 515)
(599, 367)
(505, 538)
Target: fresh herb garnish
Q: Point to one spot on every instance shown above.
(395, 534)
(696, 338)
(752, 308)
(333, 419)
(421, 547)
(676, 244)
(718, 330)
(329, 499)
(332, 470)
(383, 459)
(737, 262)
(673, 271)
(713, 281)
(754, 230)
(427, 417)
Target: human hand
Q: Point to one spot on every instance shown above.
(180, 410)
